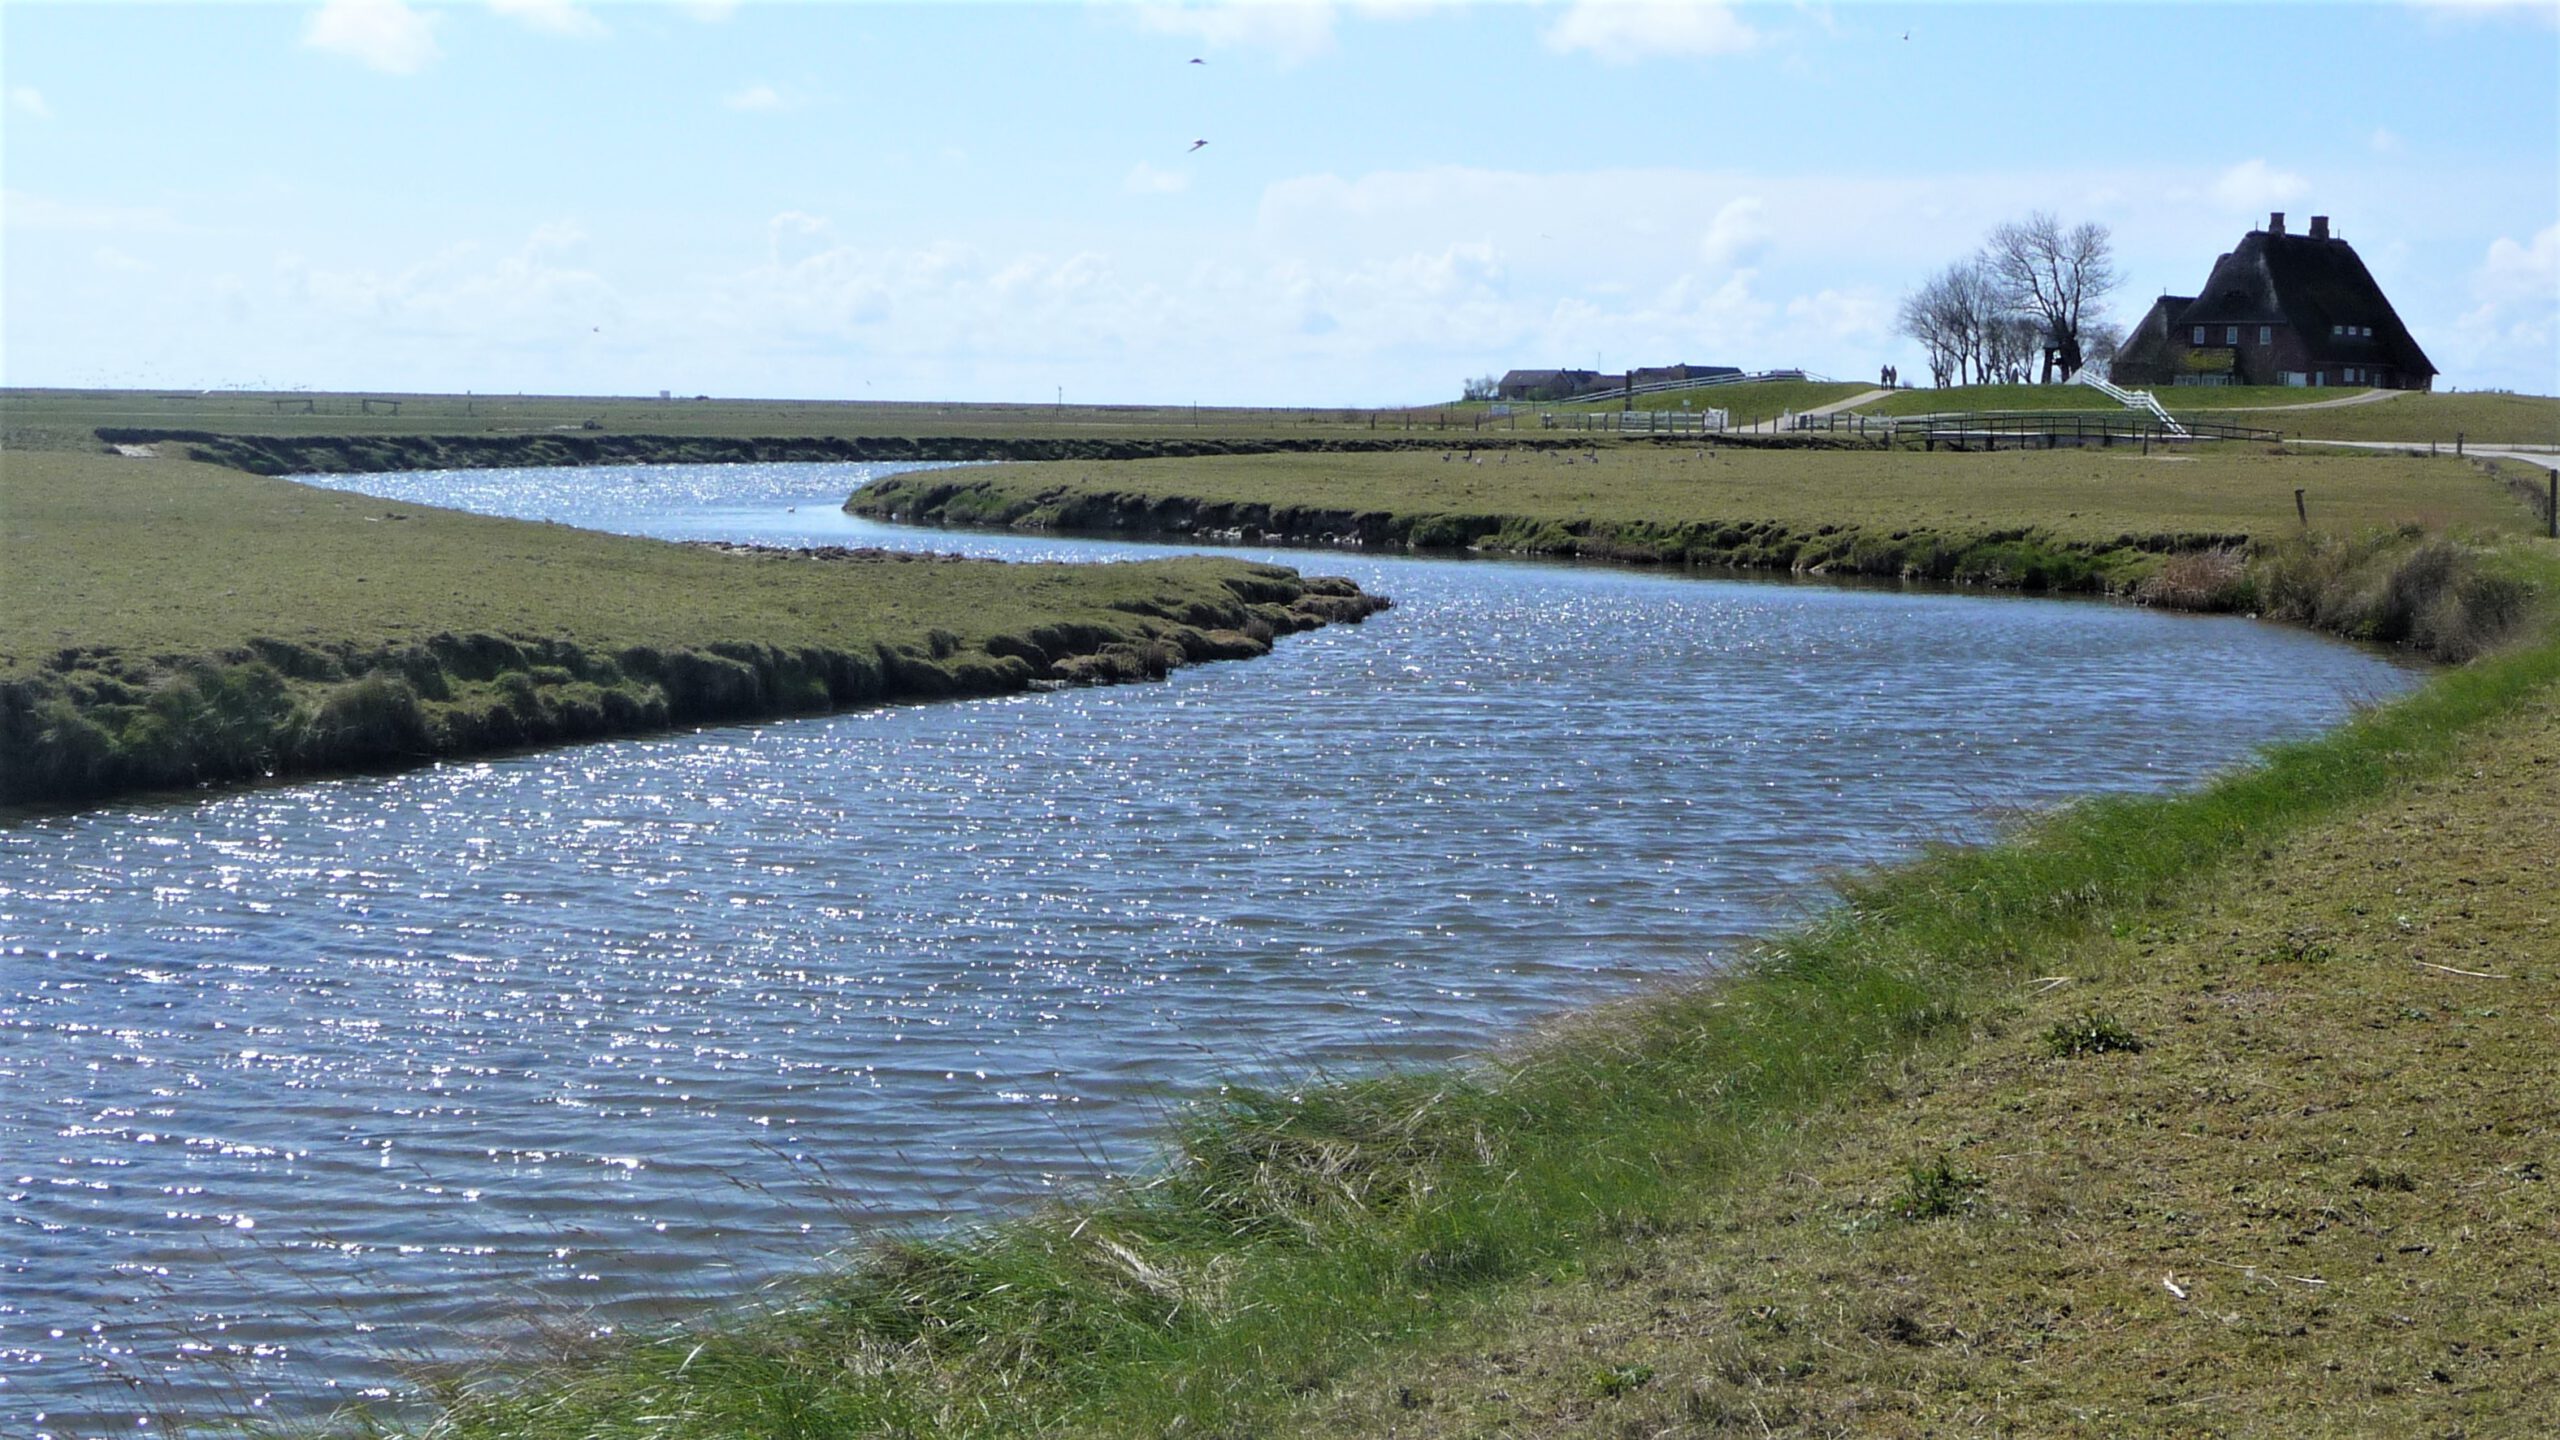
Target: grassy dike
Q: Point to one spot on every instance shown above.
(166, 623)
(2221, 529)
(2220, 1112)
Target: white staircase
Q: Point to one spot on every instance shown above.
(2129, 399)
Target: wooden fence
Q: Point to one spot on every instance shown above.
(2025, 429)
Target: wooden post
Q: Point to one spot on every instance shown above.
(2457, 443)
(2551, 516)
(2301, 511)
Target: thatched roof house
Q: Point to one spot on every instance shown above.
(2280, 309)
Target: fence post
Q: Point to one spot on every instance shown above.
(2300, 511)
(2551, 514)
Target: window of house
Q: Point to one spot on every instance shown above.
(2230, 334)
(2199, 335)
(2266, 333)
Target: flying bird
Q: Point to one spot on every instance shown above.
(1196, 60)
(1196, 144)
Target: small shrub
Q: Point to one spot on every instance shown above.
(521, 692)
(2396, 587)
(373, 718)
(1611, 1381)
(62, 752)
(2094, 1033)
(1934, 1189)
(2213, 580)
(1440, 532)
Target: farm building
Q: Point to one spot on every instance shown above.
(1554, 384)
(1566, 384)
(2280, 309)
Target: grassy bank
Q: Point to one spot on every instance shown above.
(2079, 520)
(69, 419)
(374, 454)
(1667, 1215)
(164, 623)
(2482, 417)
(1747, 404)
(2269, 1157)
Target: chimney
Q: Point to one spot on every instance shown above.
(2275, 223)
(2319, 227)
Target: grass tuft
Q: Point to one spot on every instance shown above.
(2093, 1033)
(1936, 1188)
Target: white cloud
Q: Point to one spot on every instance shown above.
(2256, 185)
(793, 236)
(1738, 234)
(531, 295)
(384, 34)
(29, 101)
(2531, 10)
(2386, 142)
(1625, 31)
(2527, 273)
(26, 211)
(1146, 179)
(1860, 314)
(709, 12)
(1291, 32)
(756, 98)
(552, 17)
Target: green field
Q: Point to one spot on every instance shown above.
(2440, 419)
(1727, 505)
(2080, 397)
(164, 622)
(1743, 404)
(2420, 417)
(67, 419)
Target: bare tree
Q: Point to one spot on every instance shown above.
(1483, 387)
(1956, 315)
(1918, 319)
(1927, 317)
(2009, 348)
(2100, 340)
(2057, 276)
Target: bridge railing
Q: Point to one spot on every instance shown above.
(2130, 399)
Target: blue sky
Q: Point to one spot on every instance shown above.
(1003, 202)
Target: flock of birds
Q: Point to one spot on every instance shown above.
(1196, 144)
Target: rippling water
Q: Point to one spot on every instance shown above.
(301, 1085)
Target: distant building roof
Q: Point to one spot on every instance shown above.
(2316, 283)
